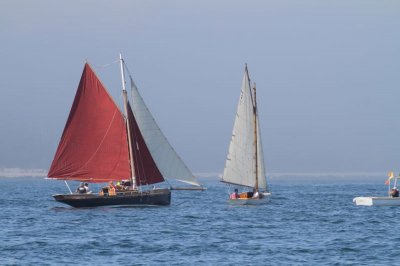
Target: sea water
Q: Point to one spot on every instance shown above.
(303, 224)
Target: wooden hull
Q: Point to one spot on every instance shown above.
(251, 201)
(376, 201)
(156, 197)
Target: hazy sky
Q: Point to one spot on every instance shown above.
(327, 74)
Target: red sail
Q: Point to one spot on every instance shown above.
(146, 170)
(94, 145)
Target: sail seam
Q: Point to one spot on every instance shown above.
(98, 147)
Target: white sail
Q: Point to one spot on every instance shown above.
(239, 165)
(168, 162)
(262, 181)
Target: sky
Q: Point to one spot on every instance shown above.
(327, 75)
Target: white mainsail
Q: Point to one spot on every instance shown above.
(239, 166)
(168, 162)
(240, 163)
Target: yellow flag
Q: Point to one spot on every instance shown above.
(390, 175)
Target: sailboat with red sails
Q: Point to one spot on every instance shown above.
(102, 144)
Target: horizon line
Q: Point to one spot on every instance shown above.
(38, 172)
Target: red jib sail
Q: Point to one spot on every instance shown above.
(146, 170)
(94, 145)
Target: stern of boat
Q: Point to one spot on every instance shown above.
(363, 201)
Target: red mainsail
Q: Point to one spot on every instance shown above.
(94, 145)
(146, 170)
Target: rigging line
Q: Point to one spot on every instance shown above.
(100, 67)
(127, 69)
(109, 64)
(130, 76)
(70, 192)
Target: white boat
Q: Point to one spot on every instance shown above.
(376, 201)
(244, 165)
(391, 200)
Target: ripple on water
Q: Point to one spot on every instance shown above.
(302, 224)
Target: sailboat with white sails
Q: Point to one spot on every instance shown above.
(100, 144)
(244, 166)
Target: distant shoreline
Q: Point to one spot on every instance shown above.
(18, 172)
(36, 172)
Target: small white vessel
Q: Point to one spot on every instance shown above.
(391, 200)
(376, 201)
(265, 197)
(244, 166)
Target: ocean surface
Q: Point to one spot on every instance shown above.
(305, 223)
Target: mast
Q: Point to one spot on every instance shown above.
(125, 95)
(255, 137)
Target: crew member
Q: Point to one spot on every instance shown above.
(235, 194)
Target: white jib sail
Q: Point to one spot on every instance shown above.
(239, 165)
(168, 162)
(262, 181)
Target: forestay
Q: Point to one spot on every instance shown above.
(168, 162)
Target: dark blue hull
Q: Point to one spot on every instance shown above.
(156, 197)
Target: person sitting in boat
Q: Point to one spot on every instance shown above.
(81, 189)
(111, 188)
(111, 185)
(235, 194)
(119, 186)
(87, 188)
(394, 192)
(126, 184)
